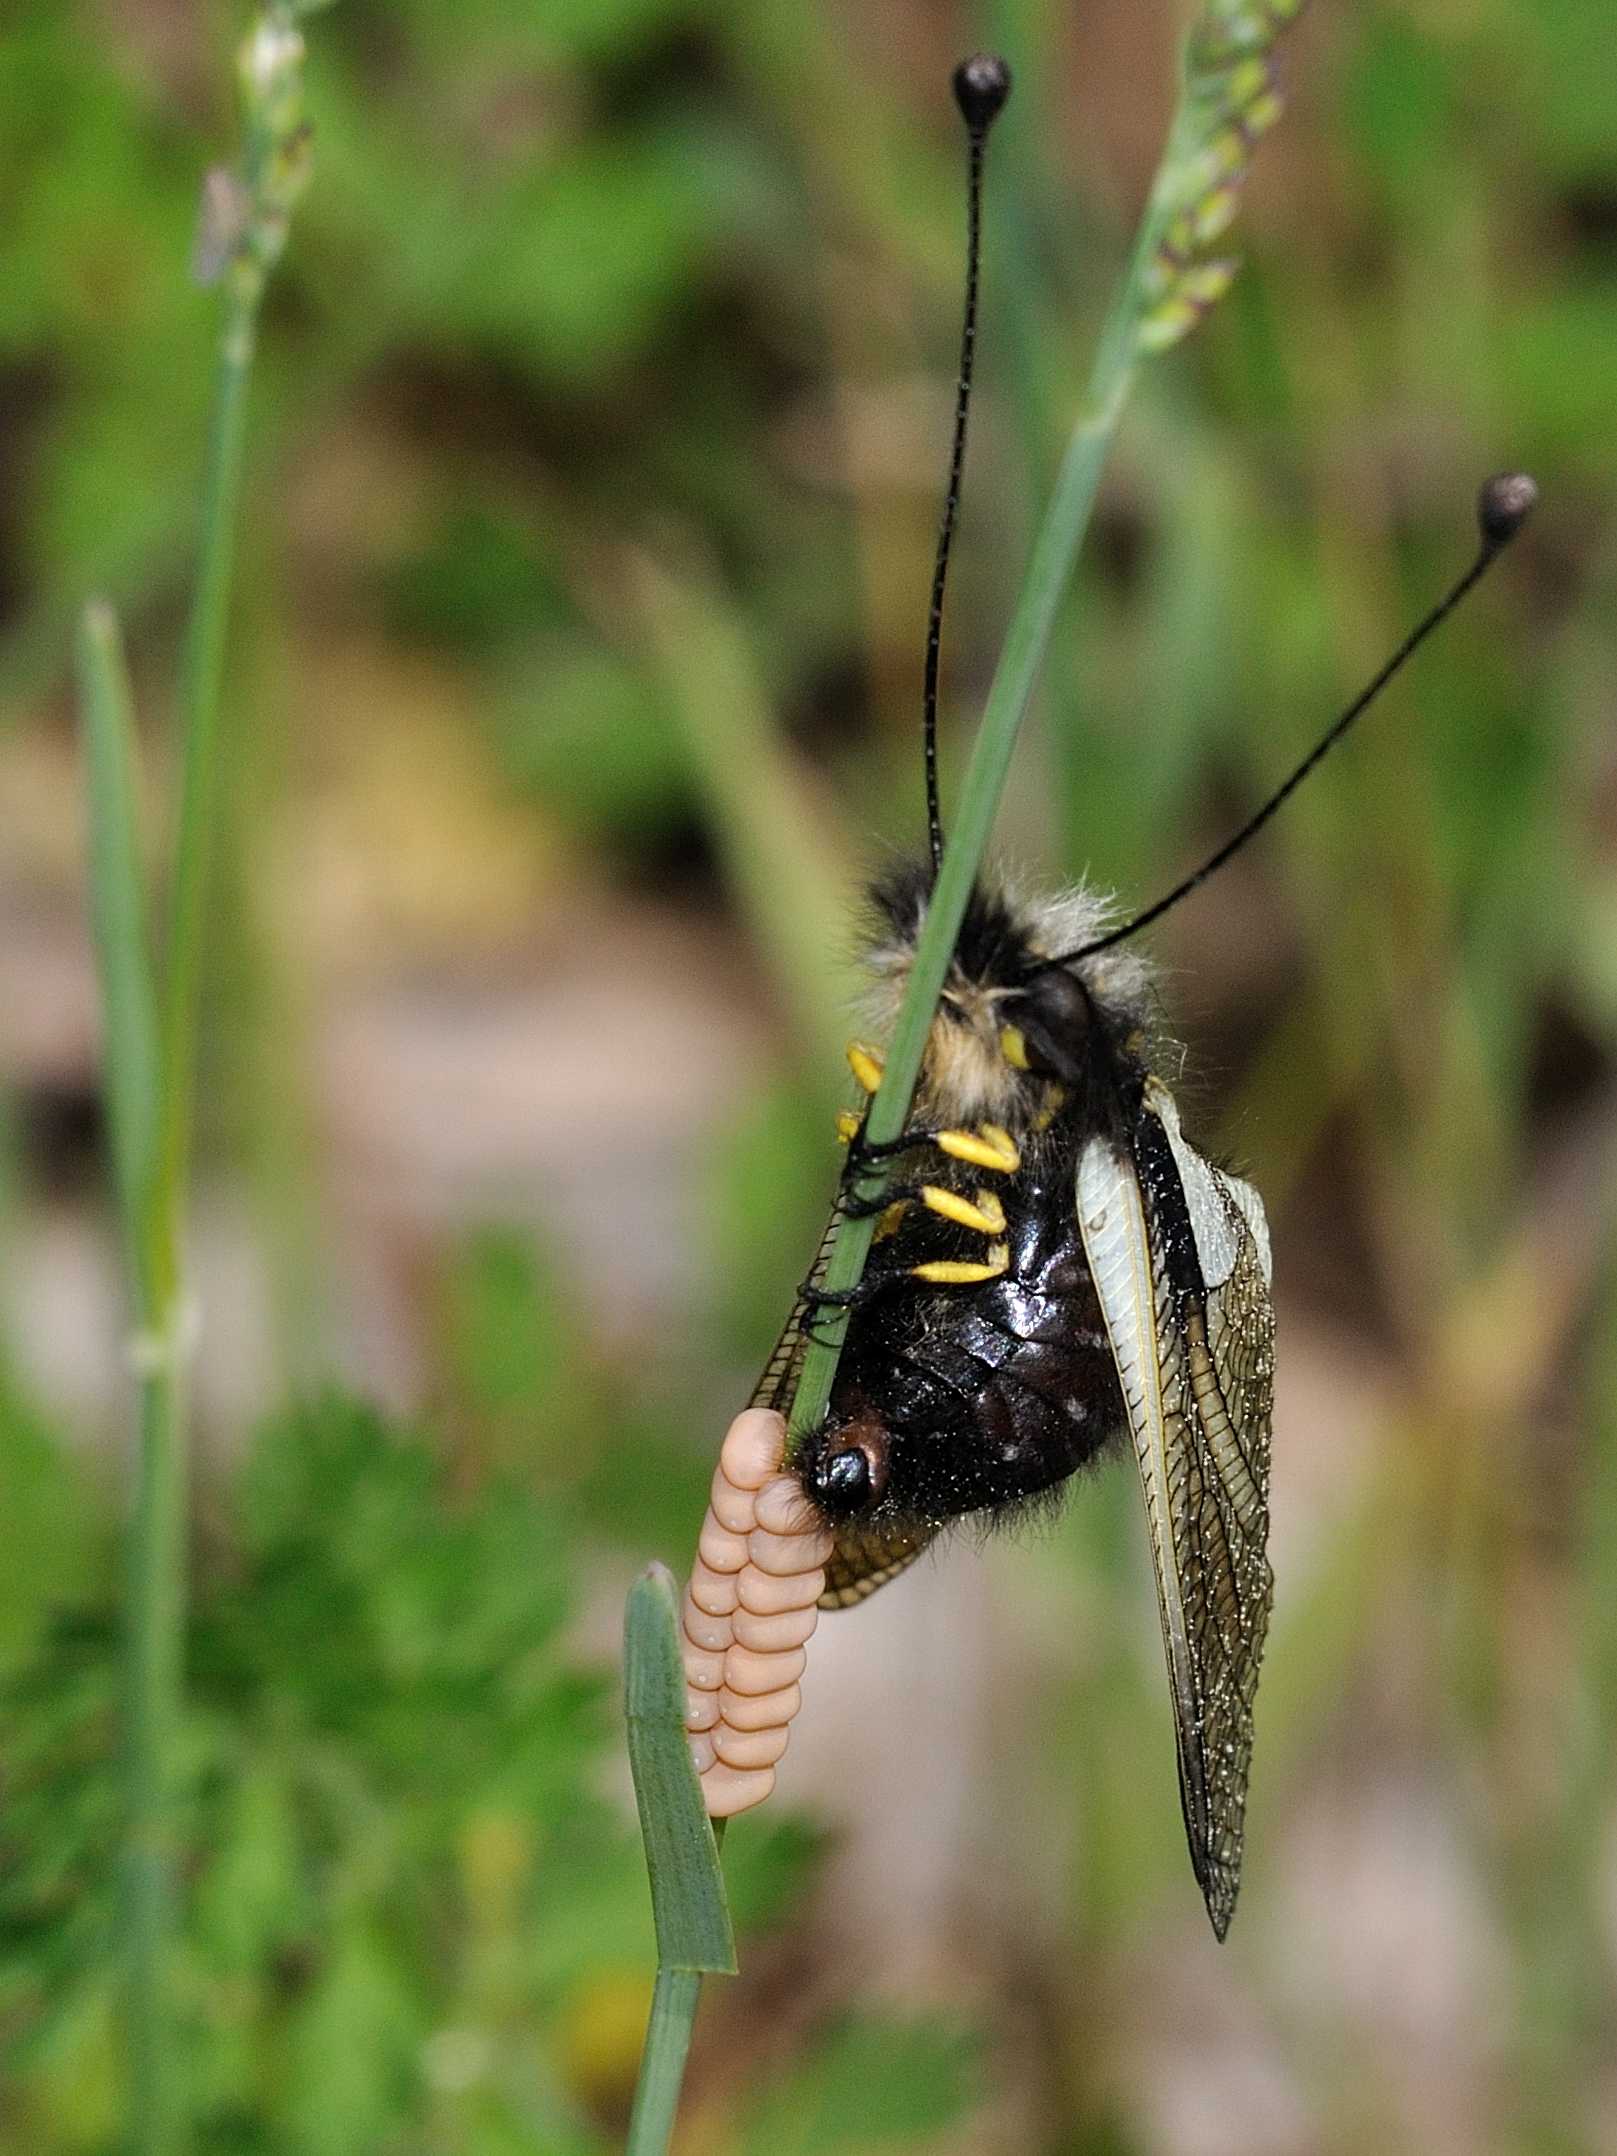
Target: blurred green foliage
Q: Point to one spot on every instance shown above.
(416, 1919)
(583, 286)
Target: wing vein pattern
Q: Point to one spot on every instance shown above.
(1180, 1258)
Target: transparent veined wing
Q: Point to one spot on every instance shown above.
(865, 1558)
(1180, 1256)
(779, 1380)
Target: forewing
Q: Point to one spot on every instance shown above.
(779, 1380)
(1180, 1256)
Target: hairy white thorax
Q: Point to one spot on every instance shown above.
(966, 1076)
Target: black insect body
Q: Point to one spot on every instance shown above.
(969, 1398)
(1055, 1269)
(976, 1372)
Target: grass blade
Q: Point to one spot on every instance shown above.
(682, 1857)
(152, 1061)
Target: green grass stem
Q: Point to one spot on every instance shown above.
(156, 1597)
(156, 1580)
(662, 2063)
(687, 1887)
(201, 677)
(154, 1591)
(688, 1902)
(156, 1584)
(151, 1053)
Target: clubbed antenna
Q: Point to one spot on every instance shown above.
(981, 86)
(1504, 504)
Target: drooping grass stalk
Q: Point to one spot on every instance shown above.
(682, 1854)
(1227, 100)
(150, 1050)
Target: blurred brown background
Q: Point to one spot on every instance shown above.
(597, 443)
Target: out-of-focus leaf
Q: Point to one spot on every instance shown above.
(402, 1872)
(254, 1901)
(350, 2060)
(48, 1510)
(588, 732)
(774, 1173)
(477, 582)
(874, 2085)
(588, 252)
(493, 34)
(769, 1861)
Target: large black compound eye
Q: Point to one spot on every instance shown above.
(846, 1474)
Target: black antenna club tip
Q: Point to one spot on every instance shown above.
(981, 86)
(1504, 504)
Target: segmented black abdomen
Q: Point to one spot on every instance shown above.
(989, 1392)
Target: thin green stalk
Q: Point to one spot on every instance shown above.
(202, 672)
(156, 1584)
(662, 2063)
(156, 1630)
(1162, 293)
(151, 1055)
(119, 910)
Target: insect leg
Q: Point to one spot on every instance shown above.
(960, 1272)
(866, 1152)
(815, 1298)
(873, 1208)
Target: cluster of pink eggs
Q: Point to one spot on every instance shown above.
(752, 1602)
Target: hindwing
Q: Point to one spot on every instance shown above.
(1179, 1252)
(865, 1558)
